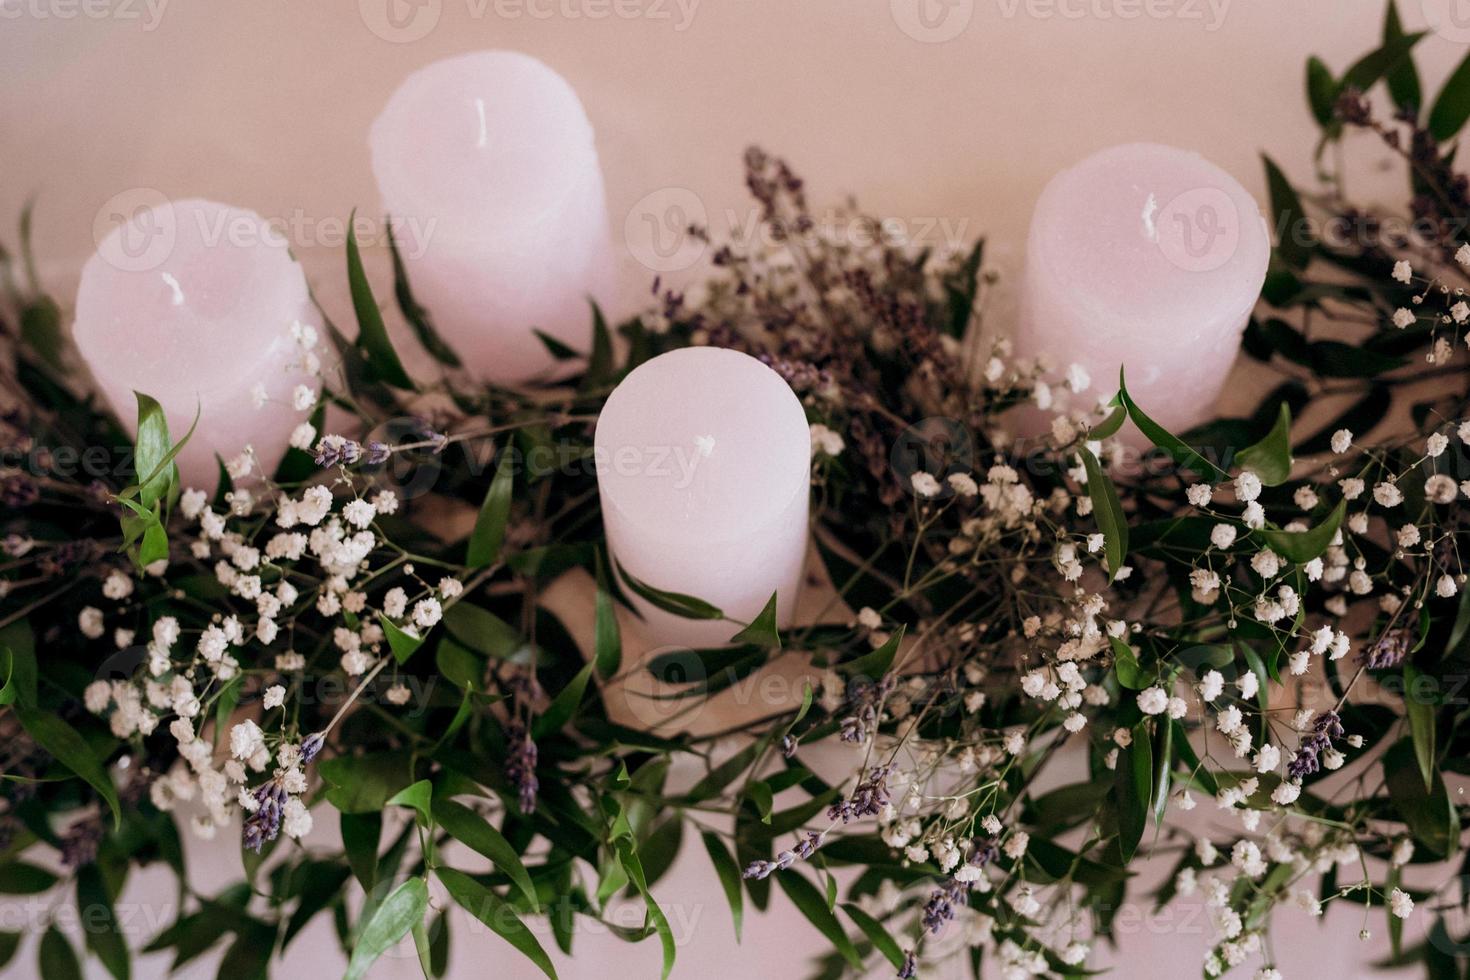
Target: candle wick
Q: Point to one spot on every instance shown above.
(173, 284)
(484, 132)
(1150, 208)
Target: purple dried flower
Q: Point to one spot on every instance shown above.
(864, 698)
(377, 452)
(1326, 727)
(804, 848)
(337, 451)
(1389, 650)
(265, 823)
(910, 966)
(870, 796)
(520, 766)
(311, 747)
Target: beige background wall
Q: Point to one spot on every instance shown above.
(946, 123)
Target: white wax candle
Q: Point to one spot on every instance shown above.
(1148, 257)
(703, 458)
(486, 165)
(194, 303)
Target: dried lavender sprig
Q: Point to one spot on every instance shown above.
(1326, 727)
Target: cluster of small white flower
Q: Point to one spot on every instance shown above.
(284, 556)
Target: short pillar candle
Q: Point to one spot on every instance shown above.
(487, 168)
(704, 467)
(201, 306)
(1150, 258)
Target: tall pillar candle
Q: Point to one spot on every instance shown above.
(1146, 257)
(201, 306)
(486, 165)
(704, 460)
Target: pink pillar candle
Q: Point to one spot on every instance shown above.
(486, 165)
(1147, 257)
(704, 466)
(201, 306)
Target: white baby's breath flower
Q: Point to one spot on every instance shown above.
(825, 441)
(303, 397)
(925, 485)
(1403, 317)
(1401, 904)
(1222, 535)
(1403, 271)
(1153, 700)
(1341, 440)
(1247, 486)
(303, 436)
(963, 484)
(275, 696)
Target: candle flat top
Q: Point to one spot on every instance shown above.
(191, 294)
(482, 141)
(705, 442)
(1143, 233)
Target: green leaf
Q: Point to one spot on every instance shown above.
(492, 910)
(1321, 91)
(1270, 459)
(1133, 779)
(876, 663)
(403, 643)
(564, 705)
(1403, 79)
(1163, 762)
(1125, 665)
(1452, 105)
(479, 835)
(1394, 52)
(729, 874)
(417, 797)
(150, 450)
(600, 361)
(1166, 440)
(1109, 426)
(607, 643)
(40, 330)
(363, 783)
(103, 934)
(558, 350)
(391, 921)
(1429, 813)
(489, 534)
(1302, 546)
(58, 959)
(482, 631)
(19, 643)
(372, 336)
(416, 315)
(876, 933)
(634, 868)
(805, 896)
(360, 836)
(1296, 242)
(1420, 713)
(762, 630)
(20, 878)
(1108, 511)
(67, 747)
(685, 606)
